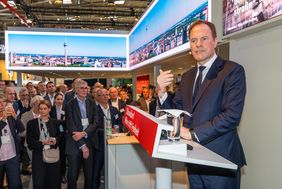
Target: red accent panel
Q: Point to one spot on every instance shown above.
(142, 127)
(142, 81)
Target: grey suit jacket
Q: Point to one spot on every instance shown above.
(73, 123)
(25, 118)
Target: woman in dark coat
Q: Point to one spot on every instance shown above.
(43, 134)
(58, 113)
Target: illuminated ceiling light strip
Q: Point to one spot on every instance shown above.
(119, 2)
(67, 2)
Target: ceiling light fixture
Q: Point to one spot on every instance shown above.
(68, 2)
(11, 3)
(119, 2)
(58, 2)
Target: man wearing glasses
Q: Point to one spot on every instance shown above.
(111, 115)
(81, 120)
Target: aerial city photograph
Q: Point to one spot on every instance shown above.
(150, 40)
(29, 49)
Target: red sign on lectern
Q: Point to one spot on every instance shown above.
(141, 126)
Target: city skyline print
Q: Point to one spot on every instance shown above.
(39, 50)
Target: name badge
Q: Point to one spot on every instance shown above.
(61, 128)
(84, 122)
(5, 139)
(116, 116)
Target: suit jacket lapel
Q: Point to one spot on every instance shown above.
(11, 126)
(76, 108)
(112, 115)
(87, 103)
(55, 112)
(190, 86)
(48, 125)
(212, 73)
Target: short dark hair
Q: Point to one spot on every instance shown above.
(50, 82)
(209, 24)
(58, 94)
(41, 82)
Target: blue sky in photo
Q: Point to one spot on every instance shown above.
(163, 15)
(77, 45)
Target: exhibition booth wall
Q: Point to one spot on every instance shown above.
(260, 128)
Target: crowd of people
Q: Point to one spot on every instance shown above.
(52, 132)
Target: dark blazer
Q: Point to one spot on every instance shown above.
(99, 132)
(73, 123)
(33, 135)
(217, 108)
(121, 105)
(19, 107)
(128, 101)
(53, 114)
(44, 175)
(16, 127)
(99, 142)
(48, 98)
(69, 96)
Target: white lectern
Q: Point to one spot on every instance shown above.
(147, 130)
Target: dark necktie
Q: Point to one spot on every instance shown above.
(198, 81)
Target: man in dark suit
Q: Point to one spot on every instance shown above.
(69, 95)
(115, 101)
(109, 112)
(41, 88)
(214, 92)
(51, 89)
(81, 120)
(124, 97)
(23, 103)
(23, 106)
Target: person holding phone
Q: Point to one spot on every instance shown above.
(43, 134)
(9, 145)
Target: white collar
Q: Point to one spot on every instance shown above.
(108, 107)
(209, 63)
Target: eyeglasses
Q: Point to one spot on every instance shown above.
(83, 88)
(104, 95)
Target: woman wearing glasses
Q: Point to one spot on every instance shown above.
(42, 136)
